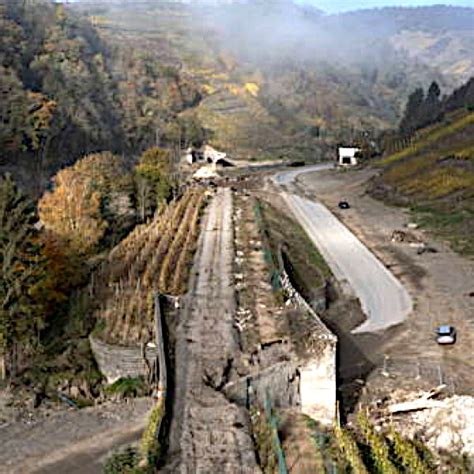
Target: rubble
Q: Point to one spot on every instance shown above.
(444, 424)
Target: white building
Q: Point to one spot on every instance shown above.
(206, 154)
(347, 156)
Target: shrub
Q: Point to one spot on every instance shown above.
(128, 387)
(124, 461)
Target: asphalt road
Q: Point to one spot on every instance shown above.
(384, 300)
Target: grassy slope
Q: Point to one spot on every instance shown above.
(308, 264)
(435, 177)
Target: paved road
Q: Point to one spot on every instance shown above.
(383, 298)
(209, 433)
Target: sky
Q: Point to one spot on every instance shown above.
(335, 6)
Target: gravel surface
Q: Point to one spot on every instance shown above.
(209, 433)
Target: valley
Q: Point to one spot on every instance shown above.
(236, 237)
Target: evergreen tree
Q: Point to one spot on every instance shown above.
(22, 271)
(431, 110)
(412, 113)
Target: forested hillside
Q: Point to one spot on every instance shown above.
(280, 79)
(66, 93)
(265, 79)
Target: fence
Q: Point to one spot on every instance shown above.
(151, 448)
(273, 421)
(430, 371)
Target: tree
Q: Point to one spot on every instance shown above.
(22, 270)
(461, 98)
(72, 211)
(89, 197)
(410, 120)
(154, 179)
(431, 110)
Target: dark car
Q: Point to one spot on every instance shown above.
(296, 164)
(344, 205)
(445, 335)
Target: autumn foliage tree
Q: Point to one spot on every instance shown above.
(75, 209)
(72, 211)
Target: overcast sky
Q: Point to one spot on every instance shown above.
(334, 6)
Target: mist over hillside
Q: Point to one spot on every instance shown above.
(330, 75)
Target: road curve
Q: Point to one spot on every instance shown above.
(384, 300)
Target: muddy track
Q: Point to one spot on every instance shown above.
(208, 433)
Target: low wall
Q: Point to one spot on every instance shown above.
(116, 362)
(317, 374)
(280, 383)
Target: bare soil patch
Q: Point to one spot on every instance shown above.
(58, 442)
(439, 283)
(260, 318)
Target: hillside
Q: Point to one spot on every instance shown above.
(265, 79)
(434, 176)
(280, 79)
(68, 93)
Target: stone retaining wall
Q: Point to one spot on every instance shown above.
(280, 383)
(116, 362)
(317, 296)
(298, 300)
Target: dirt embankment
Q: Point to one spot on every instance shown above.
(440, 284)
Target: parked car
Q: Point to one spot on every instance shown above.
(445, 335)
(344, 205)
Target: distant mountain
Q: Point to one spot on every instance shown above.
(277, 74)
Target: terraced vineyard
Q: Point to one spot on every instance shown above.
(154, 257)
(434, 176)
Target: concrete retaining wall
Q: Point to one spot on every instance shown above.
(317, 374)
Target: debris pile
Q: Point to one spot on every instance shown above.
(444, 423)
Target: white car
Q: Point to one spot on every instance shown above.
(445, 335)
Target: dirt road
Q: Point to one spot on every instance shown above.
(71, 441)
(208, 433)
(384, 300)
